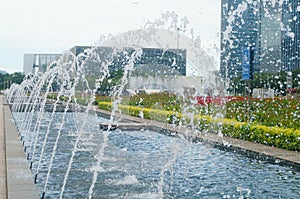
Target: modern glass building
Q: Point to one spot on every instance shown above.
(270, 28)
(170, 59)
(240, 29)
(291, 38)
(34, 63)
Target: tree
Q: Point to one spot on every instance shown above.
(276, 81)
(236, 86)
(108, 83)
(6, 80)
(296, 78)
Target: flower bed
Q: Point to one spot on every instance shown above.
(166, 101)
(277, 112)
(147, 113)
(207, 100)
(273, 136)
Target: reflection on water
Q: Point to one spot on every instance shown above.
(147, 164)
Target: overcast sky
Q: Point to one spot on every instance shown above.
(54, 26)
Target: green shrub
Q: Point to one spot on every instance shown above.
(166, 101)
(105, 106)
(286, 138)
(272, 136)
(275, 112)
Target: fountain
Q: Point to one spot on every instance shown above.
(70, 156)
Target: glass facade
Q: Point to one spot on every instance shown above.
(270, 36)
(291, 35)
(43, 61)
(35, 63)
(240, 28)
(270, 28)
(173, 59)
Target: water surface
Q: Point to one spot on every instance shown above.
(147, 164)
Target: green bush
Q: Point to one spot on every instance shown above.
(286, 138)
(146, 113)
(105, 106)
(272, 136)
(166, 101)
(276, 112)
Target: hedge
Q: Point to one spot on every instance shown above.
(286, 138)
(277, 112)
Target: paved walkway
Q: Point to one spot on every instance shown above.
(16, 180)
(3, 192)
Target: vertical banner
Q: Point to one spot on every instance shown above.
(246, 64)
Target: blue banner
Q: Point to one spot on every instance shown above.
(246, 64)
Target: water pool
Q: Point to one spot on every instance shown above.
(147, 164)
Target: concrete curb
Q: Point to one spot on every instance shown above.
(3, 175)
(19, 178)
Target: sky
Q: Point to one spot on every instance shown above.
(54, 26)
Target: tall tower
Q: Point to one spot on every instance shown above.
(291, 36)
(270, 34)
(271, 28)
(240, 28)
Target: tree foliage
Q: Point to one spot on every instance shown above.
(6, 80)
(277, 82)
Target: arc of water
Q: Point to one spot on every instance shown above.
(31, 110)
(18, 105)
(177, 151)
(40, 111)
(56, 143)
(75, 148)
(21, 94)
(48, 128)
(128, 68)
(17, 97)
(72, 94)
(167, 166)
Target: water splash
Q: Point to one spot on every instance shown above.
(73, 75)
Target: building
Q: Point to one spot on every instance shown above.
(198, 61)
(239, 28)
(35, 63)
(170, 61)
(269, 28)
(167, 58)
(291, 38)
